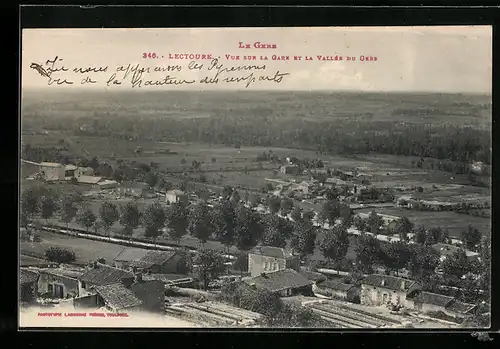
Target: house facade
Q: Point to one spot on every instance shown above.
(175, 196)
(84, 171)
(132, 189)
(377, 290)
(263, 259)
(52, 171)
(338, 290)
(428, 302)
(55, 283)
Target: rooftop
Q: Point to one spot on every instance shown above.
(144, 258)
(103, 274)
(50, 164)
(27, 277)
(62, 272)
(433, 298)
(389, 282)
(133, 185)
(449, 250)
(70, 167)
(460, 307)
(279, 280)
(269, 251)
(117, 296)
(176, 192)
(313, 276)
(335, 285)
(88, 179)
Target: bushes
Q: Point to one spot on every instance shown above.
(60, 255)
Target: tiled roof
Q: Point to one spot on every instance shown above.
(389, 282)
(460, 307)
(133, 185)
(279, 280)
(313, 276)
(117, 296)
(61, 272)
(144, 258)
(335, 285)
(105, 275)
(88, 179)
(70, 167)
(270, 251)
(28, 276)
(449, 250)
(433, 298)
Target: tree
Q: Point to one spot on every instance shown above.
(164, 185)
(286, 205)
(151, 179)
(332, 193)
(241, 262)
(433, 236)
(223, 221)
(200, 222)
(485, 260)
(304, 239)
(403, 227)
(374, 223)
(48, 207)
(395, 256)
(471, 237)
(154, 220)
(274, 204)
(109, 215)
(420, 235)
(227, 191)
(68, 210)
(248, 228)
(29, 203)
(308, 216)
(423, 261)
(330, 211)
(185, 263)
(59, 255)
(129, 218)
(177, 221)
(253, 200)
(346, 215)
(235, 198)
(210, 265)
(273, 237)
(296, 214)
(456, 265)
(94, 163)
(368, 252)
(360, 224)
(86, 218)
(335, 244)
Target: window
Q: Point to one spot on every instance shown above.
(275, 266)
(50, 288)
(83, 284)
(265, 265)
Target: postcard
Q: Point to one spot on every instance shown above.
(312, 177)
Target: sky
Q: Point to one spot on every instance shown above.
(427, 59)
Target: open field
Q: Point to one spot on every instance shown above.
(317, 106)
(454, 222)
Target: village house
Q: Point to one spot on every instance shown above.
(428, 302)
(69, 171)
(175, 196)
(149, 261)
(28, 287)
(132, 189)
(126, 296)
(99, 274)
(84, 171)
(303, 187)
(290, 169)
(285, 282)
(446, 250)
(58, 283)
(338, 290)
(379, 290)
(263, 259)
(51, 171)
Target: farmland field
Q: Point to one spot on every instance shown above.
(454, 222)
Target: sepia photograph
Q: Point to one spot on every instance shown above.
(298, 177)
